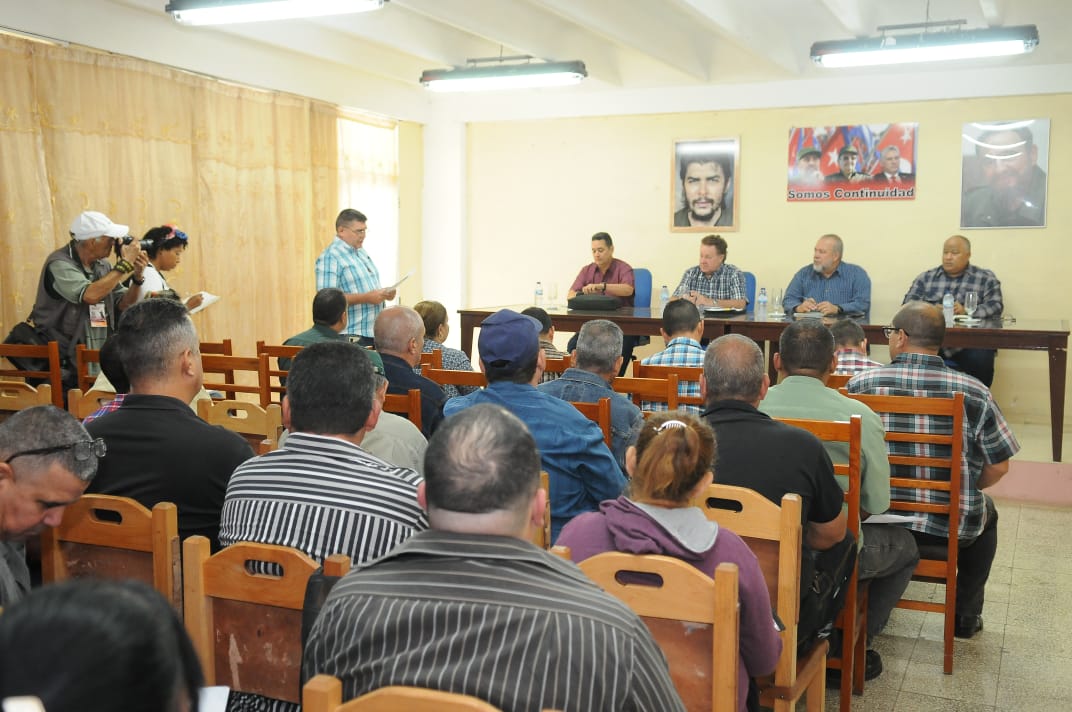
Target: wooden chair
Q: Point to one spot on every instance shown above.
(599, 413)
(703, 661)
(649, 389)
(53, 377)
(926, 457)
(82, 405)
(445, 377)
(82, 358)
(259, 426)
(102, 536)
(16, 395)
(558, 365)
(852, 658)
(542, 537)
(227, 366)
(408, 405)
(246, 626)
(774, 535)
(272, 392)
(685, 375)
(432, 359)
(838, 380)
(324, 694)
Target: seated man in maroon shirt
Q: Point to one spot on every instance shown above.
(610, 276)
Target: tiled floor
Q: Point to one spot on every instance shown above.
(1022, 660)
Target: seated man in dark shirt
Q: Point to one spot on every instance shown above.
(400, 340)
(158, 449)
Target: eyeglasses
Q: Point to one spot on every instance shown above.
(83, 450)
(888, 330)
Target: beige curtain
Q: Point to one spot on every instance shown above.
(250, 175)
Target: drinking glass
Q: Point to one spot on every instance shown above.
(971, 303)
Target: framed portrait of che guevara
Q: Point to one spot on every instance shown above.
(704, 193)
(1004, 166)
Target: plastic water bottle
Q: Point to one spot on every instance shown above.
(539, 295)
(761, 303)
(947, 308)
(664, 297)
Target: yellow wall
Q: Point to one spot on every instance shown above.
(539, 189)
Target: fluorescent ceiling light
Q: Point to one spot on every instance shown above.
(225, 12)
(502, 75)
(925, 46)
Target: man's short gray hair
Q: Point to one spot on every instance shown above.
(46, 426)
(599, 344)
(733, 368)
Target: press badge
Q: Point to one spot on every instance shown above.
(97, 315)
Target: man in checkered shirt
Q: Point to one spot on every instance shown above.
(957, 276)
(916, 369)
(682, 330)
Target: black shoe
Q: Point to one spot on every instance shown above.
(872, 669)
(967, 626)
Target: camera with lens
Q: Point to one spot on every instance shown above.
(126, 240)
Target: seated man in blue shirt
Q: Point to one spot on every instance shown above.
(828, 285)
(595, 363)
(581, 469)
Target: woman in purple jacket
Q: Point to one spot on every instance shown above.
(670, 464)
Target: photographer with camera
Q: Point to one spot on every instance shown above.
(164, 245)
(81, 293)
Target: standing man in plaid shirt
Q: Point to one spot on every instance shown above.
(346, 265)
(713, 282)
(682, 330)
(917, 370)
(957, 276)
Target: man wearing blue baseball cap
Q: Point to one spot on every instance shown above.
(580, 467)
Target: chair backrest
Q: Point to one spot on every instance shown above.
(53, 377)
(838, 380)
(694, 619)
(542, 536)
(102, 536)
(663, 390)
(599, 413)
(82, 358)
(16, 395)
(750, 289)
(324, 694)
(445, 377)
(246, 626)
(271, 389)
(226, 366)
(642, 287)
(407, 405)
(432, 359)
(259, 426)
(558, 365)
(82, 405)
(773, 534)
(685, 375)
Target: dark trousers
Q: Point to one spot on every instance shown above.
(974, 362)
(973, 561)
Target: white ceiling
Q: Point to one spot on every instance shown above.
(636, 51)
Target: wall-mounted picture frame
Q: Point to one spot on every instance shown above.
(704, 179)
(1003, 173)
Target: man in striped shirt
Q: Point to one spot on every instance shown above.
(471, 606)
(682, 330)
(917, 370)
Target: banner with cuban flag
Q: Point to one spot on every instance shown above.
(857, 162)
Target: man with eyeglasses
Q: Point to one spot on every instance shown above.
(346, 265)
(46, 460)
(916, 369)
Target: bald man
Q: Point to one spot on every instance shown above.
(957, 276)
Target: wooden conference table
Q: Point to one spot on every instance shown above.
(1028, 335)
